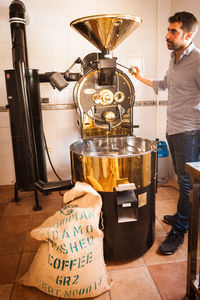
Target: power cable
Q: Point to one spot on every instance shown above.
(47, 151)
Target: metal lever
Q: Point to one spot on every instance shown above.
(77, 61)
(131, 69)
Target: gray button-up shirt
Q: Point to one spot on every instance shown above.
(183, 83)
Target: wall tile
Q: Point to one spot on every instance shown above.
(145, 118)
(7, 174)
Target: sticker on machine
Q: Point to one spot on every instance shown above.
(142, 199)
(89, 91)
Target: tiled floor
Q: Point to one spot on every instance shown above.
(151, 277)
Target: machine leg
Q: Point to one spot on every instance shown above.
(16, 197)
(37, 206)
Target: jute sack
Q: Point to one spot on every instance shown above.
(70, 262)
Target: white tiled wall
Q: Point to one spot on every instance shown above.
(54, 45)
(60, 131)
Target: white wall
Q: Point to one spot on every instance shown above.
(54, 45)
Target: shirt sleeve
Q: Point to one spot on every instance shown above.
(160, 85)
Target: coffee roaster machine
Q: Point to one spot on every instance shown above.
(120, 166)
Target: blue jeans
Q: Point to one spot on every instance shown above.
(184, 147)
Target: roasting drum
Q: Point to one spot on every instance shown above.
(110, 162)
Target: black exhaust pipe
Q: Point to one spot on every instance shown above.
(17, 82)
(17, 21)
(23, 95)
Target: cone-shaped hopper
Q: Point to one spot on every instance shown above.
(106, 32)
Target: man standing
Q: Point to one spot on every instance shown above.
(182, 81)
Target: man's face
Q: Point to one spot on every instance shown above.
(175, 38)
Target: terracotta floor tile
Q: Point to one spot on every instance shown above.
(50, 204)
(21, 292)
(31, 244)
(170, 279)
(5, 291)
(25, 263)
(23, 207)
(2, 209)
(165, 207)
(5, 297)
(172, 181)
(125, 264)
(151, 257)
(54, 197)
(9, 224)
(173, 193)
(24, 195)
(161, 194)
(159, 229)
(105, 296)
(131, 284)
(38, 219)
(6, 193)
(8, 269)
(11, 243)
(168, 191)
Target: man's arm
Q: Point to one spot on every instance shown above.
(136, 72)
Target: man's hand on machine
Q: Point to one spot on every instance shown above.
(134, 70)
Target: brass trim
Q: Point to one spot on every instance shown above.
(106, 31)
(96, 17)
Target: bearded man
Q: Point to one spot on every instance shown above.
(182, 81)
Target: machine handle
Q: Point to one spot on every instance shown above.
(127, 204)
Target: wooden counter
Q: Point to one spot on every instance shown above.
(193, 278)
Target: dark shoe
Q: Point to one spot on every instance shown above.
(172, 242)
(170, 220)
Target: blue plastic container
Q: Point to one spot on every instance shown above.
(163, 162)
(162, 149)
